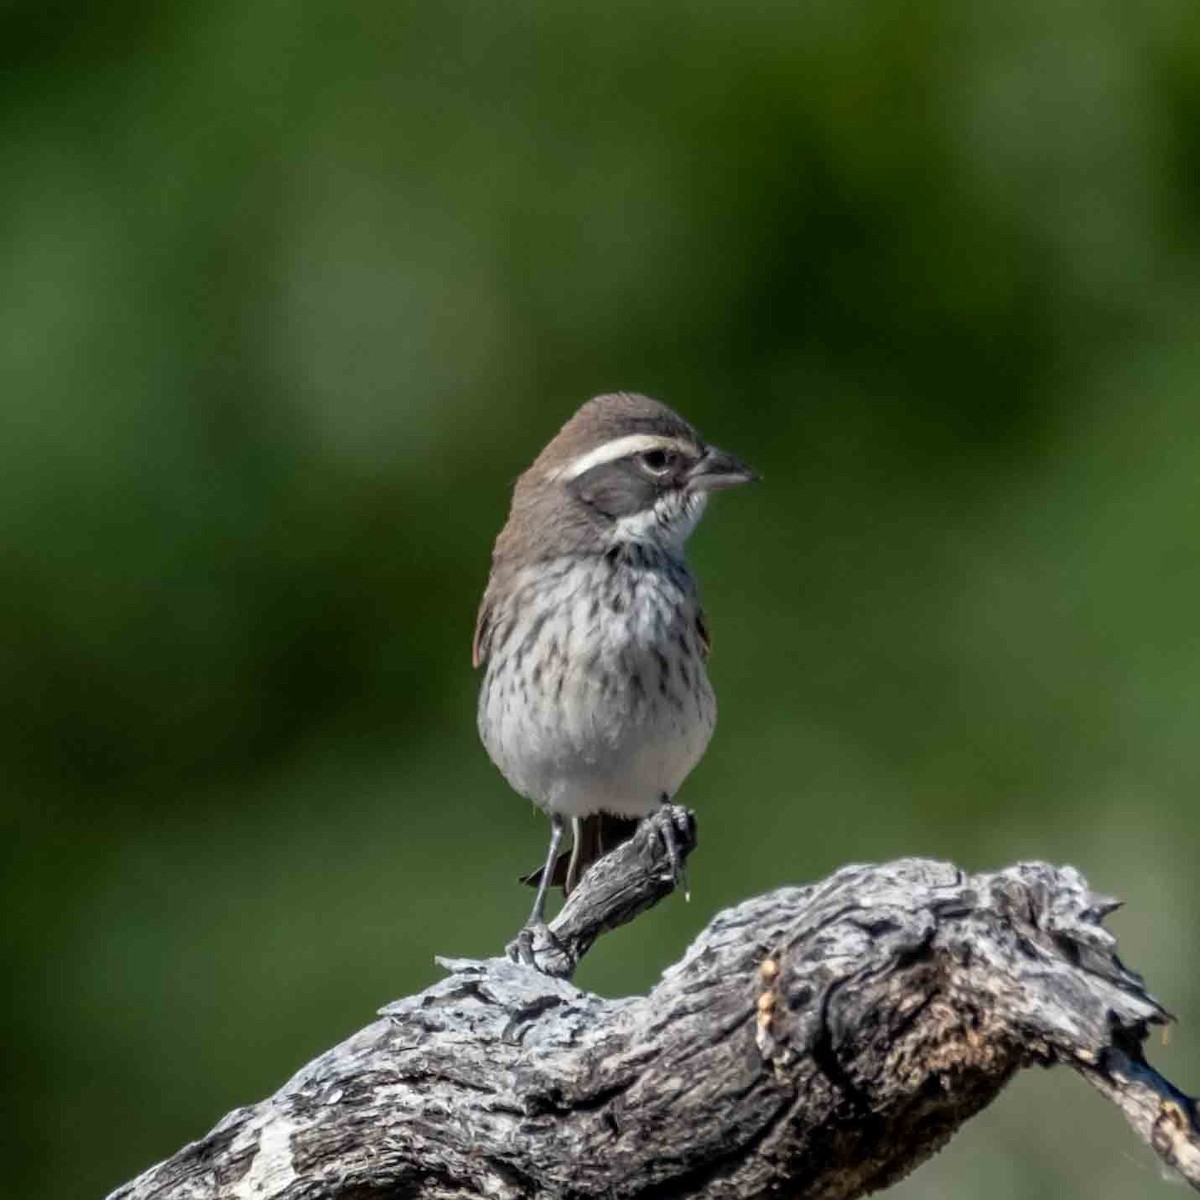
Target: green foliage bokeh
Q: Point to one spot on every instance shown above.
(291, 294)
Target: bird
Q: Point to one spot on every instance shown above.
(595, 701)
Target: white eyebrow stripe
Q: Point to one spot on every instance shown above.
(622, 447)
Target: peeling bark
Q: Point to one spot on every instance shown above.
(818, 1042)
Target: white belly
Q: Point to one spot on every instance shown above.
(600, 712)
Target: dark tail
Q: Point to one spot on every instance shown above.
(596, 836)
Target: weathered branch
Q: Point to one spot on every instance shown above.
(820, 1041)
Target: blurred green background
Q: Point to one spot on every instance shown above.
(291, 293)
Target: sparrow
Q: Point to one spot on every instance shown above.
(595, 701)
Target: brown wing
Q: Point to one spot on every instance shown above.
(702, 632)
(481, 647)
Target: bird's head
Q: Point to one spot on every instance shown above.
(624, 469)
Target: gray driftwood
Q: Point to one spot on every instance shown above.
(817, 1041)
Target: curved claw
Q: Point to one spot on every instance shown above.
(673, 827)
(520, 949)
(536, 946)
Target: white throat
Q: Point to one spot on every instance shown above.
(667, 525)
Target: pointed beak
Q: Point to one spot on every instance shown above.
(717, 471)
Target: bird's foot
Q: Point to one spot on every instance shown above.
(535, 946)
(676, 826)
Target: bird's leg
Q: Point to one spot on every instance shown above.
(576, 854)
(538, 916)
(520, 949)
(678, 868)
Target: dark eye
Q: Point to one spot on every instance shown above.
(657, 461)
